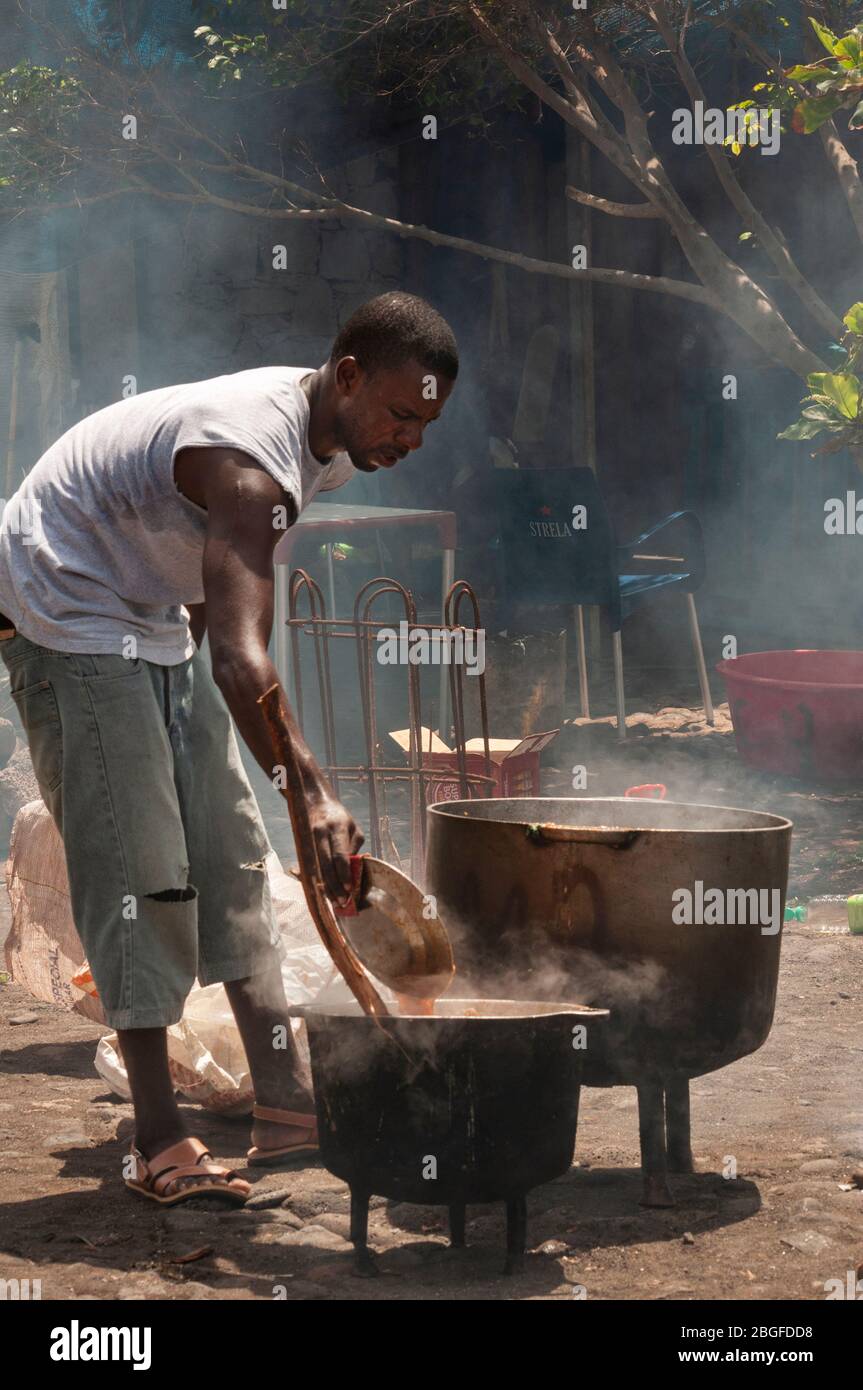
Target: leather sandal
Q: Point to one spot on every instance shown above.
(190, 1158)
(258, 1158)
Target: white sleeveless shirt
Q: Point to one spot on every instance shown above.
(98, 544)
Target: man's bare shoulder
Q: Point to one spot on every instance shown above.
(218, 477)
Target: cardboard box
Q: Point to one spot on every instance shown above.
(514, 764)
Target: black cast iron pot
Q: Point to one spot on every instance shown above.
(476, 1104)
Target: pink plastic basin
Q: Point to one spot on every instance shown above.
(798, 712)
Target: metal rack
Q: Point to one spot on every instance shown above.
(363, 629)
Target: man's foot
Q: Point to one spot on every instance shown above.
(183, 1171)
(280, 1135)
(156, 1141)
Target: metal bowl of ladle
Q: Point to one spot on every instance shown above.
(395, 931)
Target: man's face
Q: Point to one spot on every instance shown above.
(382, 416)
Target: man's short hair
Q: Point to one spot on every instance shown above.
(395, 328)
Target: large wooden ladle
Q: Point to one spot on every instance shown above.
(394, 934)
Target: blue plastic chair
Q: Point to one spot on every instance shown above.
(558, 546)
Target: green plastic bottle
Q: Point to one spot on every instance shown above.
(855, 914)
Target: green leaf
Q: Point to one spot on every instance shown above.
(803, 429)
(855, 120)
(848, 49)
(202, 29)
(841, 388)
(827, 37)
(827, 416)
(802, 71)
(853, 320)
(816, 110)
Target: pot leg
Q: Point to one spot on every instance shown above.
(516, 1234)
(651, 1131)
(677, 1126)
(364, 1260)
(456, 1225)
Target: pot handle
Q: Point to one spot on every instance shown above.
(576, 835)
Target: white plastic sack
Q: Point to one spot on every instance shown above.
(43, 950)
(205, 1054)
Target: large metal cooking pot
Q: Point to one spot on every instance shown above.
(478, 1103)
(574, 898)
(577, 898)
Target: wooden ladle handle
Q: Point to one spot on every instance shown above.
(322, 913)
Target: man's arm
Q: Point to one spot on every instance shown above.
(238, 591)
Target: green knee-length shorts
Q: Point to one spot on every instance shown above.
(164, 842)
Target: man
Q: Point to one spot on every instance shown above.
(158, 517)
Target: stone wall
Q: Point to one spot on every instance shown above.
(211, 301)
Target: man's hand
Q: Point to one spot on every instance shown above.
(241, 500)
(336, 837)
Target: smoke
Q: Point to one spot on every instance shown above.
(644, 998)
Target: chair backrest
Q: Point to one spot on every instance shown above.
(557, 542)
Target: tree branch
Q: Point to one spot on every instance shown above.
(335, 209)
(742, 298)
(766, 60)
(575, 89)
(846, 170)
(579, 114)
(37, 209)
(681, 289)
(838, 155)
(591, 200)
(752, 219)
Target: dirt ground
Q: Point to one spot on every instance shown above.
(788, 1120)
